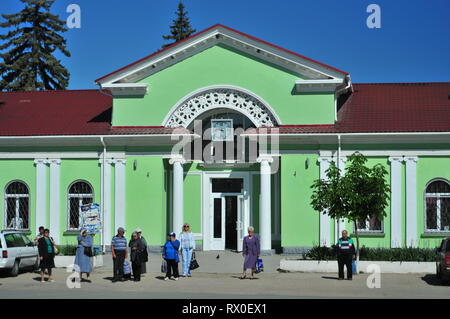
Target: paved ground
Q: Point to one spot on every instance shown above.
(219, 278)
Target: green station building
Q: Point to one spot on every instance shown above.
(224, 131)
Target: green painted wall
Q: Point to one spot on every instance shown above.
(72, 170)
(25, 171)
(299, 222)
(146, 198)
(220, 65)
(193, 202)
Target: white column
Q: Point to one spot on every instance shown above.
(41, 193)
(106, 200)
(396, 201)
(178, 194)
(119, 193)
(265, 221)
(55, 199)
(325, 230)
(411, 201)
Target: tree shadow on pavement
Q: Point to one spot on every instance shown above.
(433, 280)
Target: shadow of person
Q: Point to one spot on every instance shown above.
(328, 277)
(108, 278)
(160, 277)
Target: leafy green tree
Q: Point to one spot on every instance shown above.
(29, 63)
(362, 193)
(181, 27)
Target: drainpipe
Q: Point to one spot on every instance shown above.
(103, 193)
(339, 92)
(336, 233)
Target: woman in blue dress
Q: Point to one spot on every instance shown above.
(83, 261)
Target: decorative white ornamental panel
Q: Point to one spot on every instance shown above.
(215, 98)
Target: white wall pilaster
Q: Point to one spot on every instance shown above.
(396, 201)
(265, 219)
(325, 231)
(41, 193)
(340, 223)
(411, 201)
(119, 201)
(106, 200)
(55, 199)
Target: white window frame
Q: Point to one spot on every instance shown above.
(17, 197)
(80, 202)
(438, 197)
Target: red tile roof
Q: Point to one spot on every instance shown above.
(386, 107)
(382, 107)
(71, 112)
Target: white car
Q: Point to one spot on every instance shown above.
(17, 252)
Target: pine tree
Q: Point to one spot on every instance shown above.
(29, 63)
(181, 27)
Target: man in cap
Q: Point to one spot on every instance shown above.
(170, 254)
(119, 253)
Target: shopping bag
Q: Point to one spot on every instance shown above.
(126, 267)
(164, 266)
(354, 271)
(194, 264)
(259, 265)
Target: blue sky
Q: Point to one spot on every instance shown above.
(412, 45)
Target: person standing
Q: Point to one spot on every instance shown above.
(40, 235)
(187, 242)
(170, 254)
(119, 253)
(345, 254)
(46, 248)
(144, 253)
(250, 251)
(136, 256)
(83, 257)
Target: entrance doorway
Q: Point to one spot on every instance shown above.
(227, 213)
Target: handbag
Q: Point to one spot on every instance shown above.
(259, 265)
(164, 266)
(194, 264)
(88, 251)
(55, 250)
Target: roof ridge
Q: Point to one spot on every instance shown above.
(48, 91)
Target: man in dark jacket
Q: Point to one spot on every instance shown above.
(345, 254)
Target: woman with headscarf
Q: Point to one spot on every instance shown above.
(145, 252)
(137, 250)
(250, 251)
(83, 257)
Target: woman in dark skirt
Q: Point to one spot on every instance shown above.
(251, 252)
(46, 247)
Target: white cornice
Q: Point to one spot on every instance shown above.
(126, 89)
(325, 85)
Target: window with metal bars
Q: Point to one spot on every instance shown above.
(370, 225)
(80, 193)
(17, 197)
(437, 206)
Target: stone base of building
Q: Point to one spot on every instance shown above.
(295, 250)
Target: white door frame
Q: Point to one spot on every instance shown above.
(208, 210)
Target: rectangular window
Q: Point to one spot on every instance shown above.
(217, 217)
(222, 130)
(10, 243)
(370, 225)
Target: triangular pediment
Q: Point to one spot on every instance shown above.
(218, 34)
